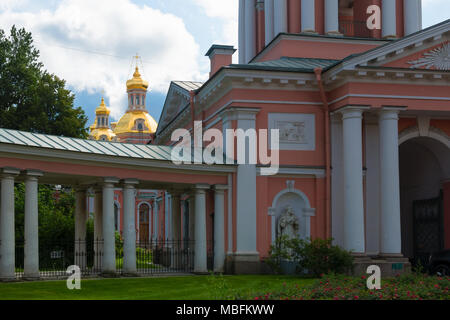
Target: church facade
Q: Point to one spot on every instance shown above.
(364, 121)
(363, 116)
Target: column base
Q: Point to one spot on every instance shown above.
(32, 277)
(310, 32)
(8, 279)
(109, 274)
(334, 34)
(390, 265)
(244, 263)
(130, 274)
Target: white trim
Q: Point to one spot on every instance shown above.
(7, 149)
(433, 133)
(318, 173)
(387, 97)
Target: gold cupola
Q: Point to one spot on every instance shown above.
(137, 82)
(102, 108)
(136, 125)
(100, 130)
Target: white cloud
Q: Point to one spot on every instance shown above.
(119, 28)
(227, 11)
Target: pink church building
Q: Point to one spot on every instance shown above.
(364, 122)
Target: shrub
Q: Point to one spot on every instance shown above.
(315, 257)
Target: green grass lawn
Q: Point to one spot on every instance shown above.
(169, 288)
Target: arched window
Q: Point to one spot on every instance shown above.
(137, 100)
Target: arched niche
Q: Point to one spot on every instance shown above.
(299, 202)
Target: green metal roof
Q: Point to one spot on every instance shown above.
(289, 64)
(45, 141)
(126, 150)
(188, 85)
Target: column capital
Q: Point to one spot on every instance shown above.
(9, 172)
(130, 182)
(220, 188)
(352, 111)
(202, 186)
(33, 173)
(110, 181)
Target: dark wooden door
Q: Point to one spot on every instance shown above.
(428, 228)
(144, 215)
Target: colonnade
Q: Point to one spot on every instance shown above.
(300, 16)
(352, 146)
(103, 224)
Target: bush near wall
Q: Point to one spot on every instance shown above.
(415, 286)
(313, 257)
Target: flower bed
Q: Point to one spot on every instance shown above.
(341, 287)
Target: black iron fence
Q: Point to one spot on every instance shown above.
(152, 257)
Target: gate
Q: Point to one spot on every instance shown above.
(428, 228)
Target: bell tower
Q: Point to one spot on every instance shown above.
(260, 21)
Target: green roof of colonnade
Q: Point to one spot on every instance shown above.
(38, 140)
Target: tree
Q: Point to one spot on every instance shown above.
(32, 99)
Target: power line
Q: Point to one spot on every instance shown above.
(89, 51)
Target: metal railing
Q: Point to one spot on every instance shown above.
(152, 257)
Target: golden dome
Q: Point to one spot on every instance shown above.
(136, 121)
(102, 108)
(102, 134)
(137, 82)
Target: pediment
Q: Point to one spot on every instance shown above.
(426, 49)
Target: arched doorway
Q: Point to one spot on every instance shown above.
(144, 222)
(424, 170)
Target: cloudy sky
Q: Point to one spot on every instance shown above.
(90, 43)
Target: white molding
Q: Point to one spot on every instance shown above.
(388, 97)
(433, 133)
(10, 150)
(318, 173)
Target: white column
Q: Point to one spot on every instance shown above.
(268, 14)
(219, 228)
(98, 229)
(389, 19)
(176, 217)
(280, 16)
(155, 220)
(81, 215)
(391, 241)
(129, 228)
(31, 248)
(7, 237)
(250, 30)
(412, 16)
(337, 179)
(353, 180)
(372, 183)
(200, 261)
(176, 229)
(242, 31)
(109, 245)
(308, 16)
(246, 195)
(332, 16)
